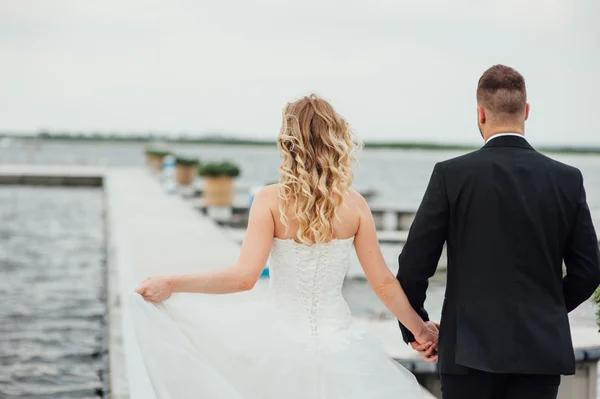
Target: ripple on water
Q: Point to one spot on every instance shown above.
(52, 315)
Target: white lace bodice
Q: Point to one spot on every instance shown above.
(308, 281)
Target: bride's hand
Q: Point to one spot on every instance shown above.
(426, 341)
(155, 289)
(429, 333)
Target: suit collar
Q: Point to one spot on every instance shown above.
(509, 141)
(503, 134)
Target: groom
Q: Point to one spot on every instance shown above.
(510, 216)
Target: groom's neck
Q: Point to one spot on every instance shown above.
(492, 131)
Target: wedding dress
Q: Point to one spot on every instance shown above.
(296, 343)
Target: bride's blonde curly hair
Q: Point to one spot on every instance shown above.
(318, 149)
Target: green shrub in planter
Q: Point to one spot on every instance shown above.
(154, 158)
(218, 182)
(596, 300)
(219, 169)
(157, 153)
(187, 161)
(186, 170)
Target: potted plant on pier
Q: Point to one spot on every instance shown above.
(186, 170)
(154, 158)
(596, 300)
(218, 182)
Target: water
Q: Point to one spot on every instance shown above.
(52, 313)
(399, 176)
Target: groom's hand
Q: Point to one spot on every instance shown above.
(428, 351)
(426, 342)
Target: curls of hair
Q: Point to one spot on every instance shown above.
(318, 149)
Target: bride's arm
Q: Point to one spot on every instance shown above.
(241, 277)
(381, 279)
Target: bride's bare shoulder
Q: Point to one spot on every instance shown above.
(272, 189)
(268, 195)
(354, 198)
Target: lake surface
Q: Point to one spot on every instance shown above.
(52, 312)
(399, 176)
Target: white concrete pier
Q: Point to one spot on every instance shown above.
(51, 175)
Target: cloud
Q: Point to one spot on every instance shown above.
(396, 69)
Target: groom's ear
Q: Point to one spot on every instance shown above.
(481, 114)
(527, 108)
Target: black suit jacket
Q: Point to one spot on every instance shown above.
(509, 216)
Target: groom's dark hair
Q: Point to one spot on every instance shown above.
(501, 91)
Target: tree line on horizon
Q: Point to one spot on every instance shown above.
(221, 139)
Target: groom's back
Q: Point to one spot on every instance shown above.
(511, 213)
(514, 215)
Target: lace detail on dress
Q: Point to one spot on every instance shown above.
(311, 266)
(309, 280)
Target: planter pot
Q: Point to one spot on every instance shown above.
(218, 191)
(154, 162)
(186, 174)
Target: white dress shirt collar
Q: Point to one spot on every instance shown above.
(505, 134)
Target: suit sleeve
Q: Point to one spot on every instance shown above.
(421, 253)
(582, 257)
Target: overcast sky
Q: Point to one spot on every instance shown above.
(396, 69)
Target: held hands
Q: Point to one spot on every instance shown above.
(426, 342)
(155, 289)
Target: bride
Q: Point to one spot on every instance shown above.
(298, 342)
